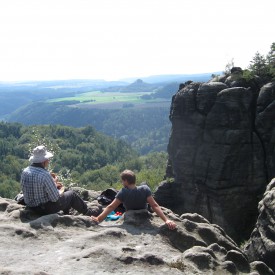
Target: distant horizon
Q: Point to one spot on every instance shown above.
(114, 80)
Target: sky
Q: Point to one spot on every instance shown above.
(116, 39)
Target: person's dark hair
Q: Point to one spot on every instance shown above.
(129, 176)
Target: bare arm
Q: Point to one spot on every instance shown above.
(115, 203)
(157, 209)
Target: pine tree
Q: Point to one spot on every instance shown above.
(259, 65)
(271, 60)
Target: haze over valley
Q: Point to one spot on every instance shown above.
(141, 107)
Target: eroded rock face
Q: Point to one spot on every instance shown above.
(265, 126)
(138, 243)
(221, 153)
(261, 245)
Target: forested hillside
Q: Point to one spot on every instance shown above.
(145, 129)
(82, 156)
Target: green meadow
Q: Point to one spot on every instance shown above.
(98, 97)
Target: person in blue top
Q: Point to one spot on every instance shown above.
(41, 190)
(134, 198)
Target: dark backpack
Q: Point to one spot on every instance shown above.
(107, 196)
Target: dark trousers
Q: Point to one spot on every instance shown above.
(69, 199)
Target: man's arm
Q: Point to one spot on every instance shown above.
(157, 209)
(115, 203)
(51, 188)
(58, 184)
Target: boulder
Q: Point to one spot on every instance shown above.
(221, 153)
(261, 245)
(265, 127)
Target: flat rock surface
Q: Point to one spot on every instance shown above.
(138, 243)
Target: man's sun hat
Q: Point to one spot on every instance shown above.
(40, 154)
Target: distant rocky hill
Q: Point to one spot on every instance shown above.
(138, 86)
(221, 150)
(138, 243)
(161, 84)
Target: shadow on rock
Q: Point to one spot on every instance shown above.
(138, 221)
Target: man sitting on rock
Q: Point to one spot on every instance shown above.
(134, 198)
(40, 189)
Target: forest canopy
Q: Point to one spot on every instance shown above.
(82, 156)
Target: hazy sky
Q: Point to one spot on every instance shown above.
(112, 39)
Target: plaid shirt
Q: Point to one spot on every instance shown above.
(38, 186)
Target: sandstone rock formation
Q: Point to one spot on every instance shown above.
(221, 152)
(261, 245)
(138, 243)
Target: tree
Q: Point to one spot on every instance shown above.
(258, 65)
(9, 188)
(271, 60)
